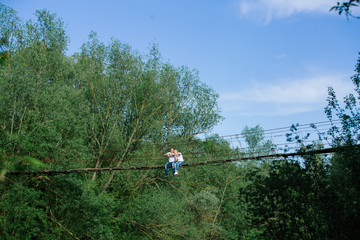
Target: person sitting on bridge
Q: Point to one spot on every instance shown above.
(179, 161)
(171, 162)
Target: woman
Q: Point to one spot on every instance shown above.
(180, 161)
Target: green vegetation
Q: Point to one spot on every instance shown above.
(110, 106)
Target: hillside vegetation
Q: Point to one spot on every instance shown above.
(110, 106)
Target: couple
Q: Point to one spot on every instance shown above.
(175, 161)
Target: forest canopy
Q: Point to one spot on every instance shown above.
(110, 106)
(107, 96)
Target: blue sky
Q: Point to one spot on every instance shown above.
(271, 61)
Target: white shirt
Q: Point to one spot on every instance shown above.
(180, 158)
(171, 157)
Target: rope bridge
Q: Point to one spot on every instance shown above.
(279, 148)
(87, 170)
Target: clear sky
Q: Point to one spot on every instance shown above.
(271, 61)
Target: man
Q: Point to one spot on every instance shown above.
(171, 156)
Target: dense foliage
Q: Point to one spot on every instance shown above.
(110, 106)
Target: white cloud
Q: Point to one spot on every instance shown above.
(266, 10)
(285, 98)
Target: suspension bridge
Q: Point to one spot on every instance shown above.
(275, 140)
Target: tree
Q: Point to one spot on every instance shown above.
(104, 106)
(11, 32)
(42, 113)
(345, 165)
(288, 202)
(133, 98)
(344, 7)
(255, 140)
(349, 115)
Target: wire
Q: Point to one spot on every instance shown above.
(284, 155)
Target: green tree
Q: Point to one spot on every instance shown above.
(345, 7)
(133, 98)
(348, 133)
(104, 106)
(42, 116)
(11, 32)
(255, 140)
(345, 165)
(287, 203)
